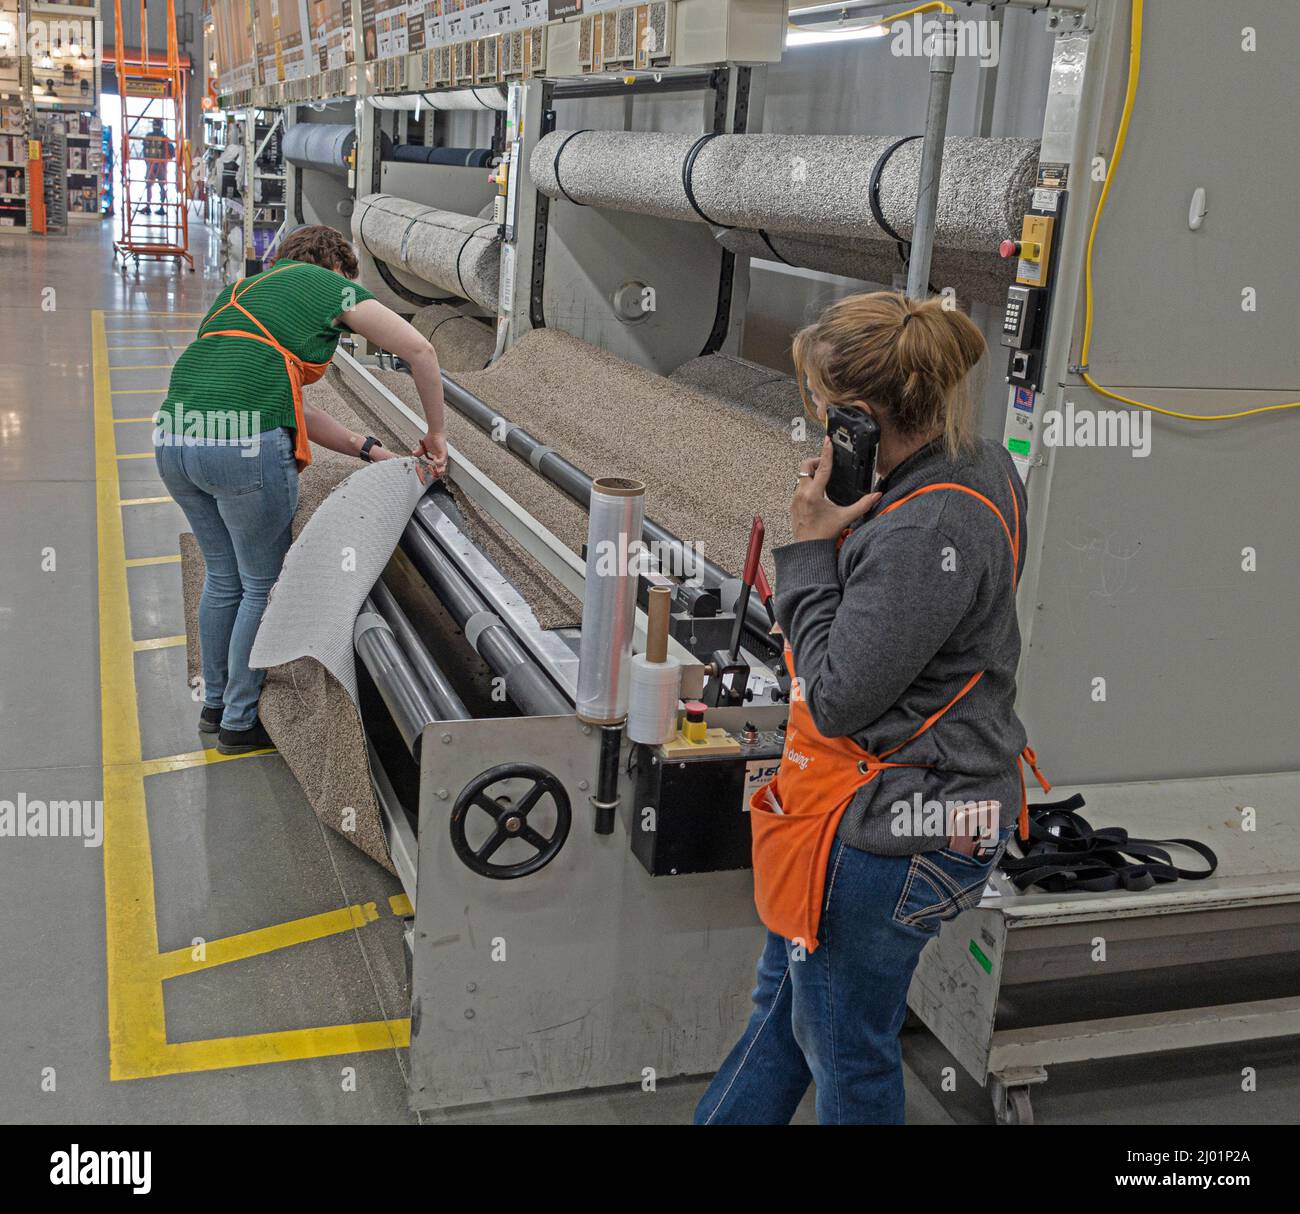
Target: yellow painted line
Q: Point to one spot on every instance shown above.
(266, 940)
(401, 906)
(195, 758)
(222, 1053)
(137, 1027)
(143, 367)
(137, 455)
(137, 562)
(158, 643)
(122, 421)
(143, 501)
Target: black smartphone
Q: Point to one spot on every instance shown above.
(854, 438)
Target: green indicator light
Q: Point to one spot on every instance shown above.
(985, 964)
(1018, 446)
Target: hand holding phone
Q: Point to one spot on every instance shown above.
(855, 438)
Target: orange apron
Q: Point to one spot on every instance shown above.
(300, 372)
(795, 816)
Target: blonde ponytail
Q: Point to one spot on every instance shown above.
(909, 358)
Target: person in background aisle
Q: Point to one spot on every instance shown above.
(899, 615)
(159, 152)
(232, 435)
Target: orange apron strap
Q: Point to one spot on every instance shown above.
(930, 720)
(1012, 543)
(1027, 756)
(295, 367)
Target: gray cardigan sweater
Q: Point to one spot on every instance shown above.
(888, 630)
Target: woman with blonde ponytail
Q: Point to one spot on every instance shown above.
(900, 782)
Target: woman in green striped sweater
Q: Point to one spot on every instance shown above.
(231, 437)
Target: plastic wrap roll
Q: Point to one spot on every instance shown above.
(486, 98)
(459, 254)
(609, 600)
(324, 146)
(653, 700)
(793, 183)
(977, 275)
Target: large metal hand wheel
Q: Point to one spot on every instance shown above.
(510, 818)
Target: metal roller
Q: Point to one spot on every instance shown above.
(577, 485)
(442, 694)
(399, 687)
(526, 684)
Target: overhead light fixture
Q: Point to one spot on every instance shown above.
(822, 37)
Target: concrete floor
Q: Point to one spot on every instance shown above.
(295, 1012)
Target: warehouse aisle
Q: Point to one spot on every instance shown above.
(220, 956)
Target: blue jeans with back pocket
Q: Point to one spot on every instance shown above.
(832, 1017)
(239, 497)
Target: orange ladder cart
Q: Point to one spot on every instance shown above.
(154, 149)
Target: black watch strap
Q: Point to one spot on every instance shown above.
(371, 441)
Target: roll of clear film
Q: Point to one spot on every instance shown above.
(652, 704)
(609, 600)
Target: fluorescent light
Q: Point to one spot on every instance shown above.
(822, 37)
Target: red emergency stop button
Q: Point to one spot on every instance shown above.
(1009, 248)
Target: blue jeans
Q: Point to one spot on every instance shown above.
(833, 1016)
(239, 497)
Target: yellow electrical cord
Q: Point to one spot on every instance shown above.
(1134, 61)
(885, 22)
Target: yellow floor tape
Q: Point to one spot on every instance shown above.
(137, 1028)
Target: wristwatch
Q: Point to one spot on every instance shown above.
(371, 441)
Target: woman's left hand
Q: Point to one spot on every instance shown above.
(813, 516)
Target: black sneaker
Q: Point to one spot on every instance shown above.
(241, 741)
(210, 720)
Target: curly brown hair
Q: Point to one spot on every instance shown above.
(321, 246)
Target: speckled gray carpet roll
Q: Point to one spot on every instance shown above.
(460, 254)
(793, 183)
(462, 342)
(975, 275)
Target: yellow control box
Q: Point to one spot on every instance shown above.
(1035, 250)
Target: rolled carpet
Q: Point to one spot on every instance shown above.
(462, 342)
(975, 275)
(457, 253)
(817, 184)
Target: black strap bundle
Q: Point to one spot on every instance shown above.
(1064, 854)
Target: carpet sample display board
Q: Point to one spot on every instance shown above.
(459, 254)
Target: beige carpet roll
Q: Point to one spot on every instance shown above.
(460, 254)
(807, 184)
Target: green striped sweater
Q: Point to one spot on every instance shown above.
(224, 386)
